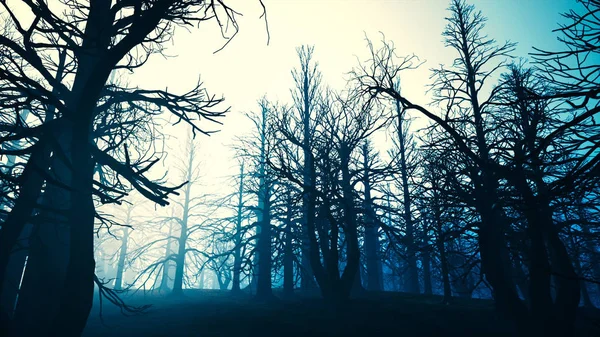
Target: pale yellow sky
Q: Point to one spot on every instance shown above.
(247, 68)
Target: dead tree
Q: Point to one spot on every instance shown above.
(101, 36)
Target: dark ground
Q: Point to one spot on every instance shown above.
(215, 313)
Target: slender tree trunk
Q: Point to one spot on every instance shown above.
(263, 289)
(253, 284)
(445, 272)
(349, 277)
(311, 262)
(441, 244)
(288, 254)
(180, 260)
(14, 273)
(122, 256)
(374, 277)
(237, 255)
(412, 275)
(426, 262)
(201, 280)
(164, 282)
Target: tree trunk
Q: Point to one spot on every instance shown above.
(18, 256)
(445, 271)
(349, 277)
(30, 190)
(181, 249)
(288, 254)
(585, 296)
(237, 258)
(122, 256)
(263, 289)
(201, 280)
(412, 275)
(14, 273)
(44, 277)
(374, 277)
(426, 262)
(78, 290)
(263, 285)
(521, 279)
(164, 282)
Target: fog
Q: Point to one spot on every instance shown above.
(418, 168)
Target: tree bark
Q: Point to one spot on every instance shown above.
(78, 290)
(39, 296)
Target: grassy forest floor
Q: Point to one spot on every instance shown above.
(216, 313)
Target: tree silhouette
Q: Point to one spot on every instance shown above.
(97, 37)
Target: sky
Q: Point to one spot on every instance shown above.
(248, 68)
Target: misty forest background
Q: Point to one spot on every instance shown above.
(488, 190)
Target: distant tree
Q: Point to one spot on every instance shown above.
(306, 95)
(261, 184)
(372, 246)
(237, 239)
(188, 208)
(403, 147)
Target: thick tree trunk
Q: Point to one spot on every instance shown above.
(39, 297)
(18, 255)
(492, 252)
(568, 290)
(78, 290)
(30, 190)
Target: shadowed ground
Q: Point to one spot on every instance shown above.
(216, 313)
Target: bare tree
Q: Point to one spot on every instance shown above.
(97, 37)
